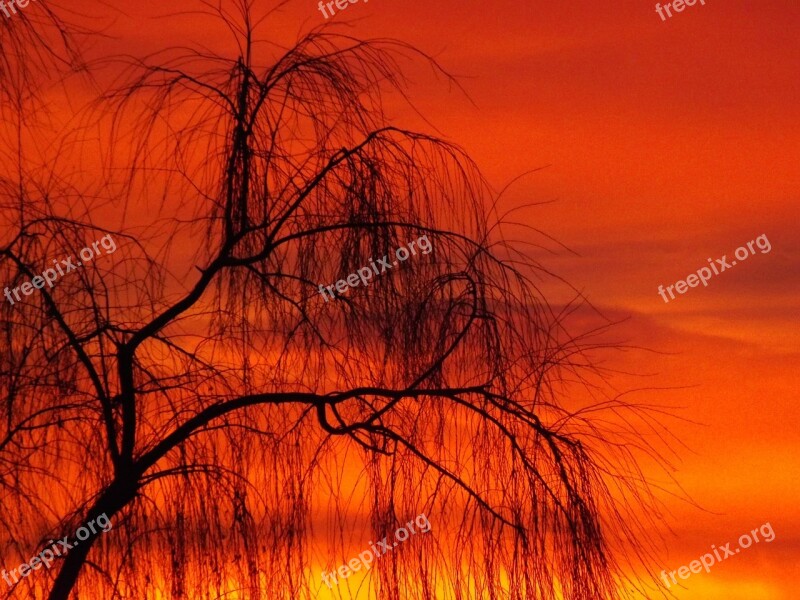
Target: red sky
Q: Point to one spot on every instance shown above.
(665, 143)
(668, 143)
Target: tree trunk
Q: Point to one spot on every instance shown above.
(110, 502)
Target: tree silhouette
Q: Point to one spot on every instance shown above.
(35, 43)
(210, 411)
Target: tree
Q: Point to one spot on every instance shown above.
(205, 412)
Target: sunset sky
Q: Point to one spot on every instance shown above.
(656, 145)
(665, 144)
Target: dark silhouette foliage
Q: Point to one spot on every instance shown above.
(220, 415)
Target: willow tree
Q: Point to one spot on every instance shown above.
(37, 45)
(198, 389)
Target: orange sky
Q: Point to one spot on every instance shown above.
(666, 143)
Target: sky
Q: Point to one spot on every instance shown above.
(656, 145)
(660, 144)
(666, 143)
